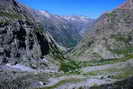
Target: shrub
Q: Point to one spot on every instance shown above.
(70, 66)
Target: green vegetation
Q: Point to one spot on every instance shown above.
(39, 29)
(3, 22)
(110, 14)
(73, 67)
(72, 80)
(11, 15)
(128, 72)
(124, 51)
(102, 72)
(56, 53)
(95, 85)
(106, 61)
(126, 38)
(70, 66)
(77, 53)
(115, 73)
(94, 73)
(122, 37)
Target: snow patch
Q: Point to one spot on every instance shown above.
(45, 13)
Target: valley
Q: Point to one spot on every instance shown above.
(41, 50)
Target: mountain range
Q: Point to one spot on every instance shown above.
(34, 49)
(66, 30)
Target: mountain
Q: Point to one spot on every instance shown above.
(81, 23)
(111, 35)
(31, 58)
(25, 48)
(22, 38)
(66, 30)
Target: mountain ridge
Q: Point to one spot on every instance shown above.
(31, 57)
(101, 41)
(65, 31)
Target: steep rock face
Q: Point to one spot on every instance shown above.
(22, 40)
(66, 30)
(26, 51)
(111, 36)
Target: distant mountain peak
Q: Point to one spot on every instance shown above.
(66, 30)
(77, 18)
(45, 13)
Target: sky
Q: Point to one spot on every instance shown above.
(90, 8)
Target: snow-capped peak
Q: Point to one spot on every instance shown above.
(76, 18)
(45, 13)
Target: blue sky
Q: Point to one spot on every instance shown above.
(90, 8)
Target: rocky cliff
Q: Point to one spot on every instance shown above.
(30, 58)
(22, 39)
(27, 52)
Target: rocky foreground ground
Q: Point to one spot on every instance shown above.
(114, 75)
